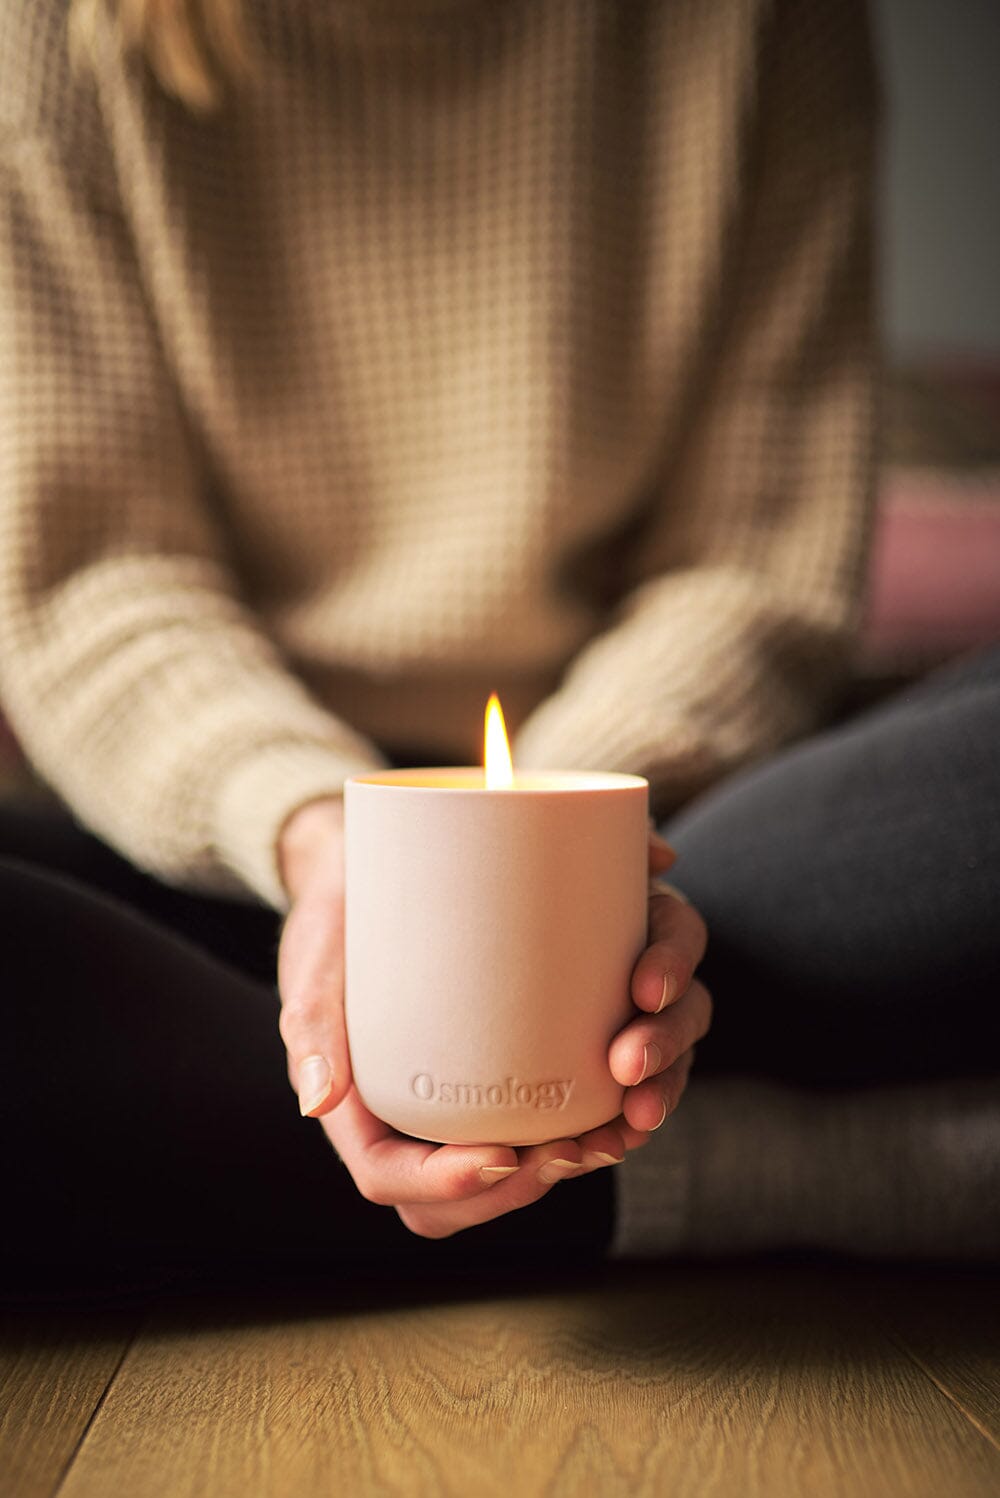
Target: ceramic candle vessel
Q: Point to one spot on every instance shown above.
(490, 940)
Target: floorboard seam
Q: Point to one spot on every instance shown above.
(943, 1388)
(85, 1432)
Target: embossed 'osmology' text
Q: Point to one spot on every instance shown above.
(510, 1093)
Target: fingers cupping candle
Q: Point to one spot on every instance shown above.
(493, 919)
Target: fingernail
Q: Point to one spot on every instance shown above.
(315, 1082)
(660, 842)
(651, 1058)
(558, 1170)
(490, 1174)
(667, 995)
(594, 1158)
(661, 1117)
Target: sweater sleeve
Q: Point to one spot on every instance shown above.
(140, 683)
(737, 625)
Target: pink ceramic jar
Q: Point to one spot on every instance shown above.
(490, 940)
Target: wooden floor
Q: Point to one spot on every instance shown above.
(736, 1380)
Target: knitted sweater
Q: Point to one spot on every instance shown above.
(481, 344)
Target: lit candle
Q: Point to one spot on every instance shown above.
(493, 919)
(496, 749)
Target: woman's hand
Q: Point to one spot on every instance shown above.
(436, 1189)
(652, 1055)
(387, 1167)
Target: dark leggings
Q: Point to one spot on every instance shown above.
(150, 1135)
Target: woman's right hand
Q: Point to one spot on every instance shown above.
(437, 1189)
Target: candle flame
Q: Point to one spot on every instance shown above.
(499, 767)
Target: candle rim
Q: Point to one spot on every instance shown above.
(526, 782)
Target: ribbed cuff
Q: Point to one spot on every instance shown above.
(566, 733)
(261, 791)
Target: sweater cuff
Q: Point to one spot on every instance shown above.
(259, 795)
(569, 732)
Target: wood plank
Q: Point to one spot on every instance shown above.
(698, 1381)
(950, 1325)
(54, 1371)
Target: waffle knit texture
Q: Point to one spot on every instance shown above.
(482, 344)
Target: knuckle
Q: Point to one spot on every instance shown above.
(452, 1184)
(456, 1188)
(300, 1017)
(291, 1034)
(421, 1225)
(369, 1188)
(411, 1221)
(289, 1020)
(465, 1186)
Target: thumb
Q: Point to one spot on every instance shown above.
(311, 988)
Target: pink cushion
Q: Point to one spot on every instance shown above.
(934, 576)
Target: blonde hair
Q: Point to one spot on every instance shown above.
(193, 47)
